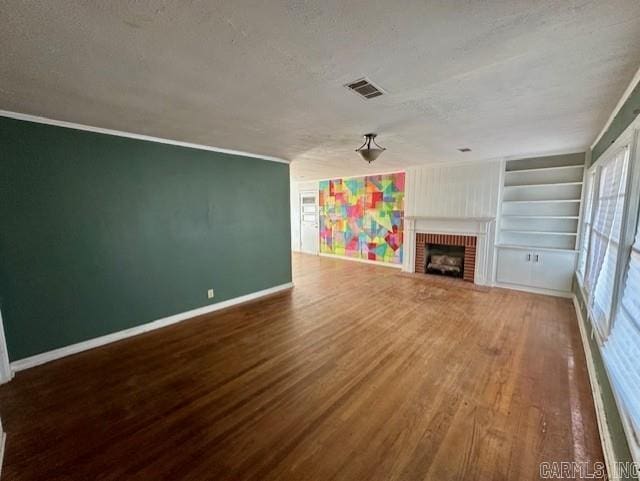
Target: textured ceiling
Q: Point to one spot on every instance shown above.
(504, 78)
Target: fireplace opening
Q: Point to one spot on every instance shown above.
(465, 246)
(446, 260)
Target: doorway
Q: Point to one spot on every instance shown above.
(309, 234)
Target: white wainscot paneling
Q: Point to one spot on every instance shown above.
(481, 228)
(454, 199)
(464, 190)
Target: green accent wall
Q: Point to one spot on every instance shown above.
(627, 113)
(102, 233)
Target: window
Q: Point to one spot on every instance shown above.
(609, 268)
(586, 224)
(621, 351)
(604, 238)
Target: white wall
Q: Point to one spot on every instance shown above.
(459, 199)
(467, 190)
(296, 188)
(462, 190)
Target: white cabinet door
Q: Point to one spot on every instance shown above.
(514, 266)
(553, 270)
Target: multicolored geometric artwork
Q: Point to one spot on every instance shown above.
(363, 217)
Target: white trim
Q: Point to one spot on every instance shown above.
(628, 224)
(498, 222)
(130, 135)
(627, 93)
(364, 261)
(624, 139)
(583, 207)
(596, 392)
(461, 218)
(482, 230)
(316, 196)
(343, 177)
(6, 374)
(533, 290)
(462, 232)
(3, 440)
(38, 359)
(629, 139)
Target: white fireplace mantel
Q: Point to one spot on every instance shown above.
(483, 228)
(484, 219)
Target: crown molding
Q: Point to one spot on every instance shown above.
(131, 135)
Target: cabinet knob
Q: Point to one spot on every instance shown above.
(528, 257)
(537, 257)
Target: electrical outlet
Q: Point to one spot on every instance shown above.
(210, 293)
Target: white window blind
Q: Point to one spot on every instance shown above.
(586, 224)
(604, 239)
(621, 351)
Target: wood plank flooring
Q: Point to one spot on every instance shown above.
(359, 373)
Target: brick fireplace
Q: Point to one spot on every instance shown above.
(468, 242)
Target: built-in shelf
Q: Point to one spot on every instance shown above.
(539, 220)
(541, 203)
(547, 169)
(563, 180)
(522, 186)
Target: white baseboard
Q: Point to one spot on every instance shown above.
(3, 440)
(596, 392)
(364, 261)
(534, 290)
(6, 374)
(306, 253)
(38, 359)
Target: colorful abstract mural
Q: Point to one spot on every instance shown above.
(363, 217)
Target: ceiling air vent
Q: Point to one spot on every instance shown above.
(364, 88)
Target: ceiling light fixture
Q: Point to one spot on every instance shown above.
(367, 152)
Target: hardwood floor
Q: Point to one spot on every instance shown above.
(359, 373)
